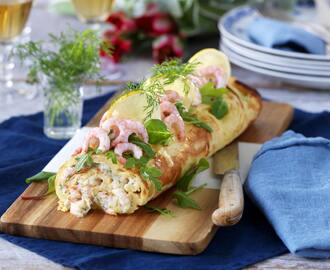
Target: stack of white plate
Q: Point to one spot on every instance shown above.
(298, 68)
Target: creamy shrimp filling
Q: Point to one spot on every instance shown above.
(114, 191)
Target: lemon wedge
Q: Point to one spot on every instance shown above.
(131, 105)
(212, 57)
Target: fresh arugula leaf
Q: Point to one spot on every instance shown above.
(208, 100)
(111, 155)
(163, 211)
(213, 97)
(208, 89)
(219, 108)
(98, 151)
(150, 153)
(185, 181)
(193, 189)
(157, 131)
(41, 176)
(51, 185)
(84, 161)
(130, 163)
(183, 200)
(190, 118)
(152, 174)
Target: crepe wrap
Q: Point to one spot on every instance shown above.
(118, 190)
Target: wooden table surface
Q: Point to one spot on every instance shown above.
(14, 257)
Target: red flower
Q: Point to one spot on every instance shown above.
(166, 47)
(155, 23)
(119, 45)
(121, 22)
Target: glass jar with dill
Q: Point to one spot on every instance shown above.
(61, 67)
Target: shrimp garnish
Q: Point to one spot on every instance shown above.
(213, 74)
(123, 128)
(127, 147)
(197, 81)
(172, 118)
(77, 151)
(171, 96)
(167, 108)
(175, 122)
(97, 138)
(104, 117)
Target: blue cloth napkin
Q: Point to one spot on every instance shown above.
(25, 150)
(279, 35)
(290, 182)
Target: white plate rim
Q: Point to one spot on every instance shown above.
(302, 79)
(274, 67)
(251, 45)
(267, 58)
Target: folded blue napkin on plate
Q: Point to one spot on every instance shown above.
(279, 35)
(290, 182)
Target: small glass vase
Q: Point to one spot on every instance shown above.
(63, 106)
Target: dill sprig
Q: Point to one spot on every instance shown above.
(131, 86)
(164, 74)
(173, 69)
(72, 57)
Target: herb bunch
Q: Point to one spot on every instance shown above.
(165, 74)
(65, 62)
(76, 56)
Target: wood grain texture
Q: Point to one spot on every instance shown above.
(188, 233)
(231, 200)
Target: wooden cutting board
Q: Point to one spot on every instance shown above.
(189, 232)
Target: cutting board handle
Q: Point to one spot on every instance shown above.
(231, 200)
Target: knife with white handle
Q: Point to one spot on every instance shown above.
(231, 199)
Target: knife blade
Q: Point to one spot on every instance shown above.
(231, 199)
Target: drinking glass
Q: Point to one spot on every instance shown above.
(94, 13)
(13, 17)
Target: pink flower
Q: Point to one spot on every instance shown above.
(155, 23)
(166, 47)
(121, 22)
(119, 45)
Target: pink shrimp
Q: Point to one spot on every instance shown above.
(175, 122)
(111, 124)
(213, 74)
(127, 147)
(77, 151)
(197, 81)
(75, 194)
(104, 116)
(167, 108)
(172, 118)
(171, 96)
(97, 138)
(124, 128)
(197, 98)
